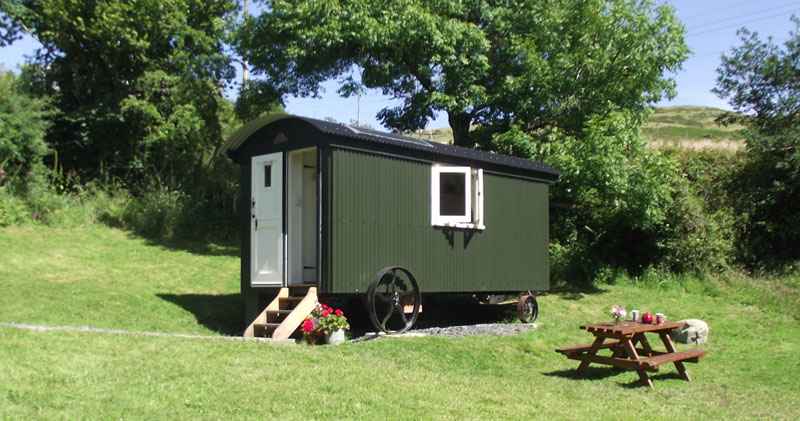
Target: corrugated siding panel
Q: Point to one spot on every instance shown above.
(380, 216)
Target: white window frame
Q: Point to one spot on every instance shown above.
(477, 178)
(473, 198)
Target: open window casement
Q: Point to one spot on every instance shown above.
(457, 197)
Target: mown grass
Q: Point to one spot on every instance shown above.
(105, 277)
(98, 276)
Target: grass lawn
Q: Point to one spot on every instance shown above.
(103, 277)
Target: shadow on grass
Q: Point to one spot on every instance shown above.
(219, 313)
(575, 291)
(599, 373)
(655, 378)
(591, 373)
(204, 247)
(198, 247)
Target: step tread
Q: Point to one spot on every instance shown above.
(280, 311)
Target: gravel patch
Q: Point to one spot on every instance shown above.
(486, 329)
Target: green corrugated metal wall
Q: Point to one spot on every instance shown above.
(380, 216)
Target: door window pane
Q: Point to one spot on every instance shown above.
(268, 175)
(452, 188)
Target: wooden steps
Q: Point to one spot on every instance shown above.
(284, 315)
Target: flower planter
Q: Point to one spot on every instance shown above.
(336, 337)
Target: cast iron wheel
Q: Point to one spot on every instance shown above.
(393, 290)
(527, 308)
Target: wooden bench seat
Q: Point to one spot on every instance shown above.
(578, 349)
(691, 356)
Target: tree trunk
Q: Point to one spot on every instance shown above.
(459, 123)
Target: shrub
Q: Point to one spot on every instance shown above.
(13, 210)
(766, 192)
(23, 121)
(694, 238)
(622, 206)
(155, 213)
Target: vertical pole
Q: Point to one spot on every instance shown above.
(245, 69)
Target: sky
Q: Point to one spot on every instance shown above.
(711, 27)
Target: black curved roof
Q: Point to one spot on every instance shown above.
(398, 142)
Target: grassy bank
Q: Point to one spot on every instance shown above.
(105, 277)
(98, 276)
(683, 127)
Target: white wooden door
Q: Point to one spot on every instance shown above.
(266, 220)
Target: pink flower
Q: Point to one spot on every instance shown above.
(339, 312)
(326, 313)
(308, 326)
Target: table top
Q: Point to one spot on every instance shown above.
(630, 328)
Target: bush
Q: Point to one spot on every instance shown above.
(13, 210)
(766, 192)
(155, 213)
(620, 206)
(694, 238)
(23, 121)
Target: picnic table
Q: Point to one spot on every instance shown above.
(631, 350)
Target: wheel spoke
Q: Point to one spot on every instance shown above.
(388, 285)
(387, 317)
(394, 280)
(393, 291)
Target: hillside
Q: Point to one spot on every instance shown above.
(691, 128)
(686, 127)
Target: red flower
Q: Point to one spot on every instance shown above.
(339, 312)
(326, 313)
(308, 326)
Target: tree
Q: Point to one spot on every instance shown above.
(489, 64)
(762, 82)
(137, 84)
(23, 122)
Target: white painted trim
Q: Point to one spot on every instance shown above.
(477, 177)
(445, 220)
(474, 199)
(294, 214)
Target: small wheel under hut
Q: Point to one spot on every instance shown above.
(394, 300)
(527, 308)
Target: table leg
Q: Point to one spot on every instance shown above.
(598, 342)
(632, 354)
(671, 348)
(648, 350)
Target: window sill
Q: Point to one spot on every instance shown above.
(461, 225)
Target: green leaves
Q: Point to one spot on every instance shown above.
(132, 81)
(23, 121)
(486, 63)
(759, 78)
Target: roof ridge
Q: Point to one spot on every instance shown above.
(394, 139)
